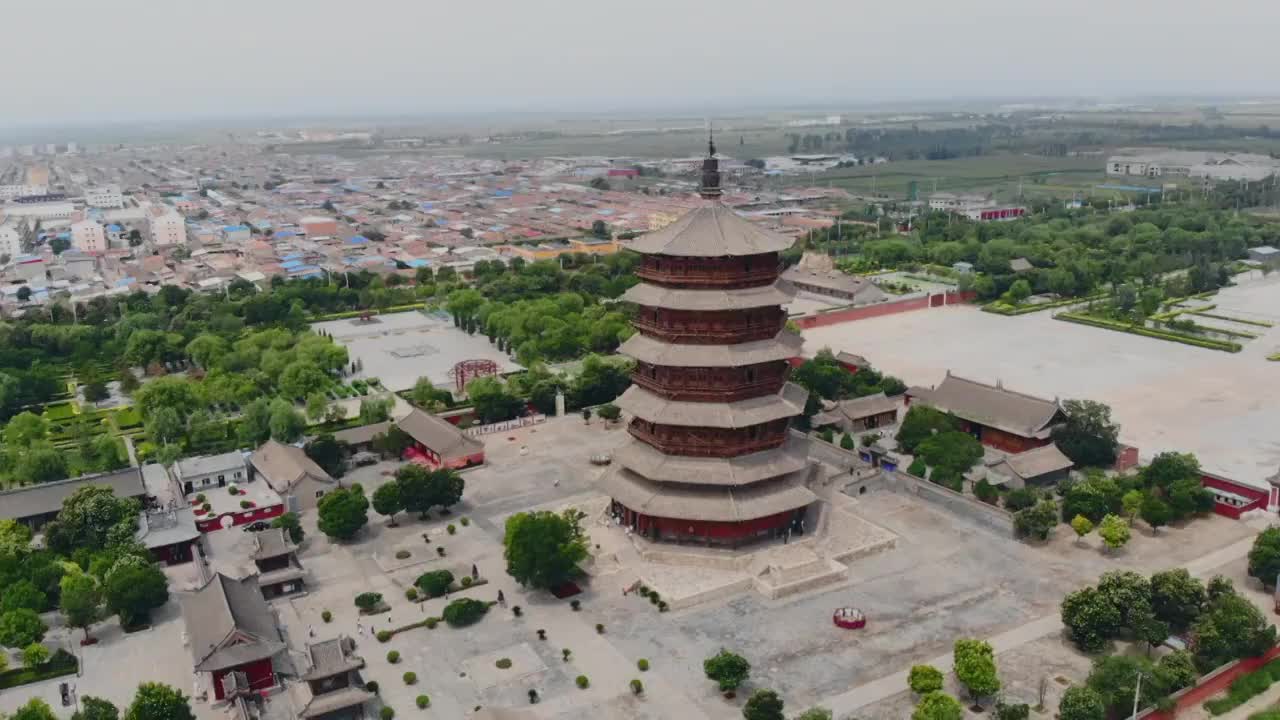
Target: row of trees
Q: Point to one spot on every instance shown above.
(151, 701)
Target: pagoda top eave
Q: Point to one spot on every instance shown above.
(712, 230)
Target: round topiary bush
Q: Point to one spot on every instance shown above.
(653, 598)
(232, 490)
(503, 663)
(435, 583)
(451, 529)
(200, 499)
(465, 522)
(582, 682)
(367, 601)
(403, 554)
(245, 504)
(208, 508)
(410, 594)
(576, 605)
(384, 636)
(466, 581)
(637, 687)
(432, 622)
(372, 686)
(440, 550)
(662, 606)
(643, 664)
(423, 702)
(393, 657)
(410, 678)
(386, 713)
(326, 616)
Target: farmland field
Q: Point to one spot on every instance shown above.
(1059, 177)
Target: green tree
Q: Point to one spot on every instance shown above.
(1036, 521)
(938, 706)
(255, 422)
(1082, 526)
(157, 701)
(493, 402)
(1169, 468)
(1114, 532)
(1090, 618)
(23, 594)
(542, 548)
(1231, 627)
(206, 349)
(1154, 511)
(429, 397)
(92, 708)
(1264, 556)
(35, 709)
(375, 410)
(924, 679)
(89, 517)
(919, 424)
(815, 713)
(34, 655)
(445, 487)
(328, 453)
(1131, 502)
(316, 406)
(25, 429)
(342, 513)
(20, 628)
(975, 666)
(728, 670)
(291, 524)
(79, 600)
(286, 423)
(1177, 670)
(133, 588)
(386, 501)
(952, 452)
(1128, 592)
(1081, 703)
(1115, 677)
(763, 705)
(1177, 598)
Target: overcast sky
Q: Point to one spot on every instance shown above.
(86, 60)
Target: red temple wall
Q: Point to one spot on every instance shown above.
(261, 676)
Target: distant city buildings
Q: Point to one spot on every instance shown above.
(104, 197)
(1191, 164)
(166, 227)
(88, 236)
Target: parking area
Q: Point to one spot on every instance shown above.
(1221, 406)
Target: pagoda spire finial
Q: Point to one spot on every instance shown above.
(710, 189)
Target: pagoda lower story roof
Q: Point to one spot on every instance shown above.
(650, 295)
(650, 406)
(652, 464)
(784, 346)
(708, 503)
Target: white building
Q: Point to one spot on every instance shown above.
(9, 192)
(104, 197)
(166, 227)
(42, 211)
(205, 471)
(88, 236)
(1203, 165)
(10, 239)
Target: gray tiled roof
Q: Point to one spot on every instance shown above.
(439, 435)
(709, 503)
(225, 609)
(641, 347)
(778, 293)
(650, 406)
(283, 466)
(647, 461)
(712, 230)
(207, 464)
(991, 405)
(1034, 463)
(273, 543)
(362, 434)
(44, 498)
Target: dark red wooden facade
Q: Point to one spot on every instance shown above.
(260, 674)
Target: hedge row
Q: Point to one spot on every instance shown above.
(1002, 308)
(1148, 332)
(357, 313)
(1245, 688)
(61, 663)
(1256, 323)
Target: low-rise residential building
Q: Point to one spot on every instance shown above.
(10, 238)
(104, 197)
(289, 472)
(318, 226)
(197, 473)
(166, 227)
(237, 234)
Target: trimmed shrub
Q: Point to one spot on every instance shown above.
(372, 686)
(503, 663)
(410, 678)
(384, 636)
(423, 702)
(643, 665)
(245, 504)
(575, 604)
(466, 581)
(386, 713)
(464, 611)
(431, 623)
(637, 687)
(410, 594)
(435, 583)
(464, 521)
(582, 682)
(393, 657)
(403, 554)
(326, 616)
(918, 467)
(368, 600)
(200, 499)
(452, 530)
(599, 628)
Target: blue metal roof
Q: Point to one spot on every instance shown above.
(122, 282)
(233, 228)
(417, 263)
(283, 234)
(114, 228)
(292, 264)
(293, 256)
(357, 239)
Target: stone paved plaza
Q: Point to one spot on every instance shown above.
(1224, 407)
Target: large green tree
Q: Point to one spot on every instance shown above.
(342, 513)
(975, 666)
(20, 628)
(80, 598)
(157, 701)
(728, 670)
(133, 588)
(920, 423)
(34, 709)
(1177, 598)
(1231, 627)
(92, 708)
(763, 704)
(938, 706)
(1264, 557)
(1088, 436)
(543, 548)
(386, 501)
(1081, 703)
(1091, 619)
(90, 518)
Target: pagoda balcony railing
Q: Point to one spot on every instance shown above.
(708, 390)
(722, 447)
(708, 335)
(709, 277)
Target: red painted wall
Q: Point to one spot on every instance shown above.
(1198, 694)
(261, 676)
(1258, 497)
(870, 311)
(1126, 458)
(211, 523)
(720, 530)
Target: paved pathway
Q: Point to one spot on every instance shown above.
(890, 685)
(128, 446)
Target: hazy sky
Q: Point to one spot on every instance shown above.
(86, 60)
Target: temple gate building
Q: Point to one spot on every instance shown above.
(711, 458)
